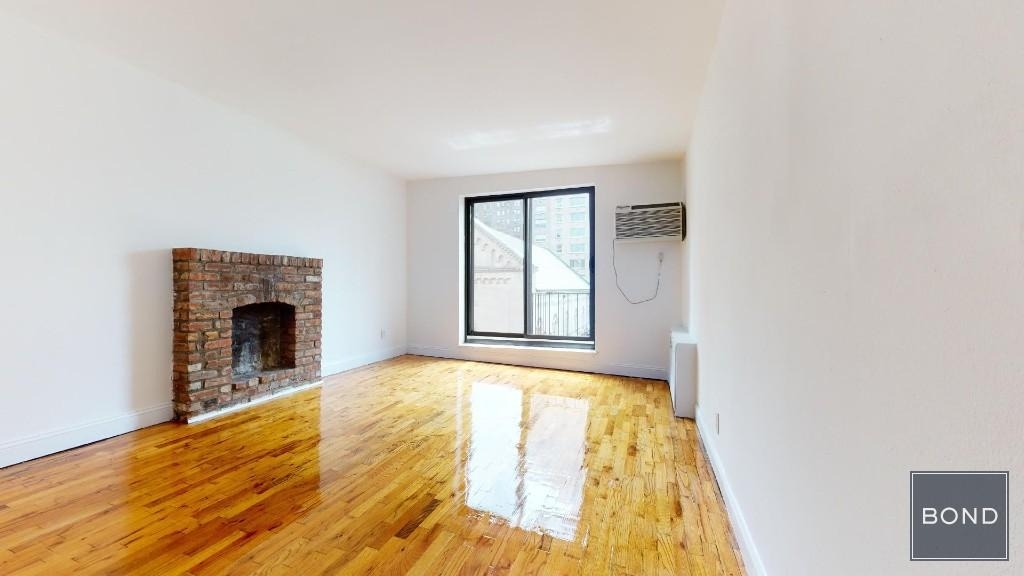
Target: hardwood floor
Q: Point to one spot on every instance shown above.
(409, 466)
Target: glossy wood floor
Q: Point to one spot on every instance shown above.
(410, 466)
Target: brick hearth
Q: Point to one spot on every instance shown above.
(209, 287)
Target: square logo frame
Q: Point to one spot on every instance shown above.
(960, 476)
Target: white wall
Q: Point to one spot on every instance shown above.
(103, 169)
(857, 208)
(631, 340)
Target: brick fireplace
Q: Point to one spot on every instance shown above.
(246, 326)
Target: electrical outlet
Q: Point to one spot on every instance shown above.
(718, 423)
(383, 333)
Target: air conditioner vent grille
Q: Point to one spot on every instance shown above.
(650, 221)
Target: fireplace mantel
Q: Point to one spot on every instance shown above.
(216, 291)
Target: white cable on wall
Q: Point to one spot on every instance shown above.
(657, 287)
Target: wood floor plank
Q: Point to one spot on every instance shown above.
(412, 465)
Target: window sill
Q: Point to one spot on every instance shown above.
(540, 345)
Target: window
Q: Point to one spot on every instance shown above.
(519, 291)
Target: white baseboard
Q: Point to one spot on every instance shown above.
(568, 360)
(751, 557)
(635, 371)
(53, 441)
(36, 445)
(338, 366)
(435, 351)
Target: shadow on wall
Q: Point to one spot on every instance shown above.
(150, 312)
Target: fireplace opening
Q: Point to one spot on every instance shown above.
(262, 338)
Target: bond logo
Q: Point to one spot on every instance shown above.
(959, 516)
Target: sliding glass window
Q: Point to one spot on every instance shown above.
(530, 268)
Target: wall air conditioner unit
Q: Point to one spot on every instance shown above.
(666, 221)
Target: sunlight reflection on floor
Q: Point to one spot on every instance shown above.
(526, 458)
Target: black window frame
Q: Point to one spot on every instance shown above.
(525, 338)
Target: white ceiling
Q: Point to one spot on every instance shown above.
(426, 88)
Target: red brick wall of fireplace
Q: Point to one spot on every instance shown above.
(210, 288)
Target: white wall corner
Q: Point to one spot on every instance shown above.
(751, 557)
(50, 442)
